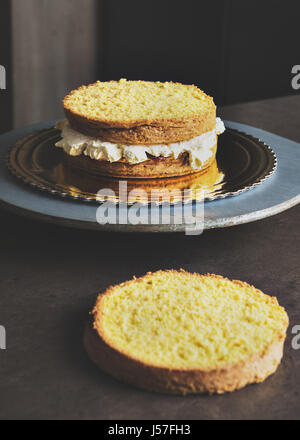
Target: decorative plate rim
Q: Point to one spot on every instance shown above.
(66, 195)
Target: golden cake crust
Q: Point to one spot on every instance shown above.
(149, 169)
(136, 130)
(165, 132)
(172, 381)
(184, 380)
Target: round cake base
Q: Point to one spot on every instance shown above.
(153, 168)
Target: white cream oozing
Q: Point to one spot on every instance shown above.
(198, 148)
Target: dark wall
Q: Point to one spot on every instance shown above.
(163, 40)
(263, 45)
(48, 47)
(54, 50)
(235, 50)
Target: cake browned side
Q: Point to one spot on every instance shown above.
(165, 132)
(172, 381)
(148, 128)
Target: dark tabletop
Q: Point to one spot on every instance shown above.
(50, 277)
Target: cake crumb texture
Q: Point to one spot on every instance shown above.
(127, 104)
(179, 320)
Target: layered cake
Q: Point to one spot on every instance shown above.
(139, 129)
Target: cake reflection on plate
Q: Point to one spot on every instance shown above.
(169, 190)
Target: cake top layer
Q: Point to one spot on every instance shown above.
(179, 320)
(131, 103)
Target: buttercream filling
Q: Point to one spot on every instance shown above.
(199, 148)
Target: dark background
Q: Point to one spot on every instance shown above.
(50, 276)
(236, 51)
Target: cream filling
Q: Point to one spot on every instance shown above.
(199, 148)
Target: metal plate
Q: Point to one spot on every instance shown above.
(280, 192)
(242, 163)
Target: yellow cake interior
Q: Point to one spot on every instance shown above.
(138, 100)
(185, 320)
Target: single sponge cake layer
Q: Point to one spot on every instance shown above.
(140, 112)
(174, 331)
(126, 104)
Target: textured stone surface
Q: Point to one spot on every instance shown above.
(50, 277)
